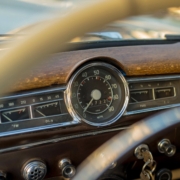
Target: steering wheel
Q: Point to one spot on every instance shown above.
(50, 37)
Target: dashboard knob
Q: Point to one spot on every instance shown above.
(34, 170)
(68, 170)
(164, 174)
(165, 146)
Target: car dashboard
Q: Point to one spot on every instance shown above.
(76, 100)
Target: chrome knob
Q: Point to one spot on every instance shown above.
(164, 174)
(165, 146)
(34, 170)
(68, 170)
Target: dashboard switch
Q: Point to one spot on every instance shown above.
(164, 174)
(34, 170)
(165, 146)
(68, 170)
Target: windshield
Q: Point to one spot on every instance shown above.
(15, 16)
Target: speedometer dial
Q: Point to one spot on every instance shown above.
(97, 94)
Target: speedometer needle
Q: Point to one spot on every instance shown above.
(88, 105)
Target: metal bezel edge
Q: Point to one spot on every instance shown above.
(67, 95)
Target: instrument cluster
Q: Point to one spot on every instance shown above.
(97, 94)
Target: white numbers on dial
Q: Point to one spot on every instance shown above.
(108, 77)
(84, 74)
(111, 109)
(76, 106)
(96, 72)
(75, 84)
(114, 86)
(116, 96)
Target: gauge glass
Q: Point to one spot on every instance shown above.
(14, 115)
(47, 109)
(98, 98)
(97, 94)
(141, 95)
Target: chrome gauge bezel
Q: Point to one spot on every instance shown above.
(72, 111)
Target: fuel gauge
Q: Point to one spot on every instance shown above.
(44, 110)
(140, 95)
(14, 115)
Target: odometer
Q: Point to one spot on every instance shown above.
(97, 94)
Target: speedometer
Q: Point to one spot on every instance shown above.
(97, 94)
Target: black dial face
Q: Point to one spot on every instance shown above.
(98, 94)
(97, 98)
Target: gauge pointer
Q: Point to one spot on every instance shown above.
(96, 95)
(40, 113)
(134, 99)
(88, 105)
(6, 117)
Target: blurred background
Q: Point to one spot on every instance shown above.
(16, 16)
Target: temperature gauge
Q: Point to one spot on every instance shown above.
(44, 110)
(14, 115)
(141, 95)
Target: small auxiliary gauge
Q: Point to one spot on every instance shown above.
(47, 109)
(97, 94)
(141, 95)
(14, 115)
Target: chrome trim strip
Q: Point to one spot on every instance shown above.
(36, 144)
(45, 127)
(153, 79)
(63, 88)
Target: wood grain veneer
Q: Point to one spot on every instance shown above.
(133, 60)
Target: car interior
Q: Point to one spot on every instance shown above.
(80, 104)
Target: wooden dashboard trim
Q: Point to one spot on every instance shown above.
(133, 60)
